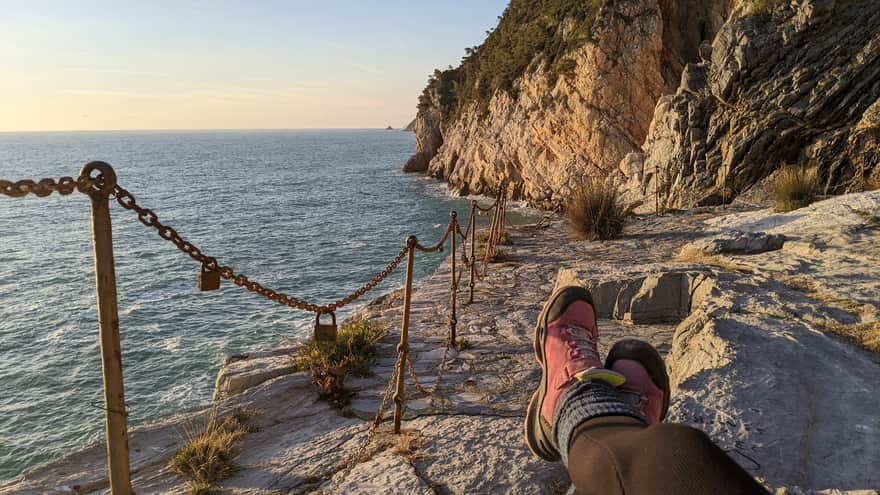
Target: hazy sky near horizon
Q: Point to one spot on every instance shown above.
(226, 65)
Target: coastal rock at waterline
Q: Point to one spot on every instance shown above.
(734, 242)
(240, 373)
(428, 139)
(795, 84)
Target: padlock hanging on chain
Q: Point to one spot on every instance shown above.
(325, 332)
(209, 279)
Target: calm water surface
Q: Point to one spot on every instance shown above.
(311, 213)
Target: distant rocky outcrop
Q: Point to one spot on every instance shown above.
(428, 140)
(411, 127)
(678, 102)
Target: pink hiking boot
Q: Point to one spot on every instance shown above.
(566, 337)
(646, 377)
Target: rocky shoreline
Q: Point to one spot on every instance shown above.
(754, 353)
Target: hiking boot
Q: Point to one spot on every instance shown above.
(566, 337)
(646, 378)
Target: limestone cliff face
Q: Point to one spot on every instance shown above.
(556, 131)
(796, 84)
(550, 137)
(679, 103)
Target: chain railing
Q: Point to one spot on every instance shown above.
(98, 181)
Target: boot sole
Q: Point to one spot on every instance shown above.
(538, 434)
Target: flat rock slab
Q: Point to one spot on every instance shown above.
(735, 242)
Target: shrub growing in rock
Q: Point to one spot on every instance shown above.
(794, 187)
(595, 212)
(331, 362)
(210, 449)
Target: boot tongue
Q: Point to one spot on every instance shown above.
(612, 378)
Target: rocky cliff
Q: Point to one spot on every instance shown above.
(791, 83)
(678, 102)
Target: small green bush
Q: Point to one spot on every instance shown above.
(330, 362)
(595, 212)
(530, 34)
(794, 187)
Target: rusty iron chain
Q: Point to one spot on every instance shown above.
(439, 245)
(150, 219)
(359, 455)
(45, 187)
(412, 372)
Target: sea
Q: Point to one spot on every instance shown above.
(312, 213)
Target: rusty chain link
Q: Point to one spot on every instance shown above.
(45, 187)
(371, 432)
(440, 368)
(150, 219)
(439, 245)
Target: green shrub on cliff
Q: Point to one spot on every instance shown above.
(759, 7)
(331, 362)
(529, 32)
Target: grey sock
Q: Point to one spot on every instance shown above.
(584, 401)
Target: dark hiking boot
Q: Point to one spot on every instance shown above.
(646, 378)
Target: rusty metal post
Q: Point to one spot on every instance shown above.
(453, 286)
(473, 230)
(493, 231)
(403, 346)
(108, 320)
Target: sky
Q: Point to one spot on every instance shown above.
(127, 65)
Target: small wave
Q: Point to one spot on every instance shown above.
(171, 344)
(55, 335)
(131, 309)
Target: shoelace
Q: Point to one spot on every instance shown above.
(580, 342)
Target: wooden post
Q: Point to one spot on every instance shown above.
(108, 320)
(473, 229)
(403, 346)
(453, 286)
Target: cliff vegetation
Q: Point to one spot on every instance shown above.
(530, 34)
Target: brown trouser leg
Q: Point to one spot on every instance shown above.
(618, 455)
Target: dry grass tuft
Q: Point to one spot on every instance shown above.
(794, 187)
(210, 450)
(331, 362)
(409, 446)
(595, 212)
(865, 335)
(811, 289)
